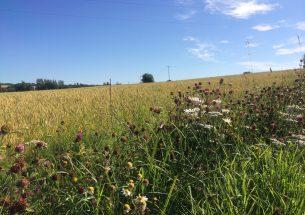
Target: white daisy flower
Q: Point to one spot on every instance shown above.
(141, 203)
(126, 192)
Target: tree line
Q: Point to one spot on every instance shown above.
(41, 84)
(48, 84)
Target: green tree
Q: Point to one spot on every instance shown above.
(147, 78)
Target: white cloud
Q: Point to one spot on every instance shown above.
(292, 46)
(252, 45)
(278, 46)
(224, 41)
(241, 9)
(189, 38)
(186, 16)
(290, 51)
(203, 51)
(256, 65)
(265, 27)
(185, 2)
(300, 26)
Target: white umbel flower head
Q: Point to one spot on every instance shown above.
(225, 111)
(192, 112)
(215, 113)
(195, 100)
(37, 143)
(277, 143)
(217, 101)
(298, 136)
(300, 143)
(227, 120)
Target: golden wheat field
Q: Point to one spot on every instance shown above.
(38, 114)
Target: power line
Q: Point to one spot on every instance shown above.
(107, 17)
(143, 4)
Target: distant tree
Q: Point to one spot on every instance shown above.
(39, 84)
(23, 86)
(61, 84)
(147, 78)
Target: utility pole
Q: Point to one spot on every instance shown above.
(110, 102)
(168, 72)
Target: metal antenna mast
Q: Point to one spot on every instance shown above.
(249, 55)
(300, 46)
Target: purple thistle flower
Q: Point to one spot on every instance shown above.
(20, 148)
(79, 137)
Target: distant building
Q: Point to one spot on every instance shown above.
(33, 87)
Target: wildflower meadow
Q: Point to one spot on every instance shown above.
(222, 145)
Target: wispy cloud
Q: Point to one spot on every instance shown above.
(300, 26)
(265, 65)
(189, 38)
(186, 16)
(290, 51)
(185, 2)
(224, 41)
(241, 9)
(278, 46)
(203, 51)
(257, 65)
(292, 46)
(265, 27)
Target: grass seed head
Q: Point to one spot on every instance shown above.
(5, 129)
(23, 183)
(19, 206)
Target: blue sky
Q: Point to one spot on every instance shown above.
(90, 41)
